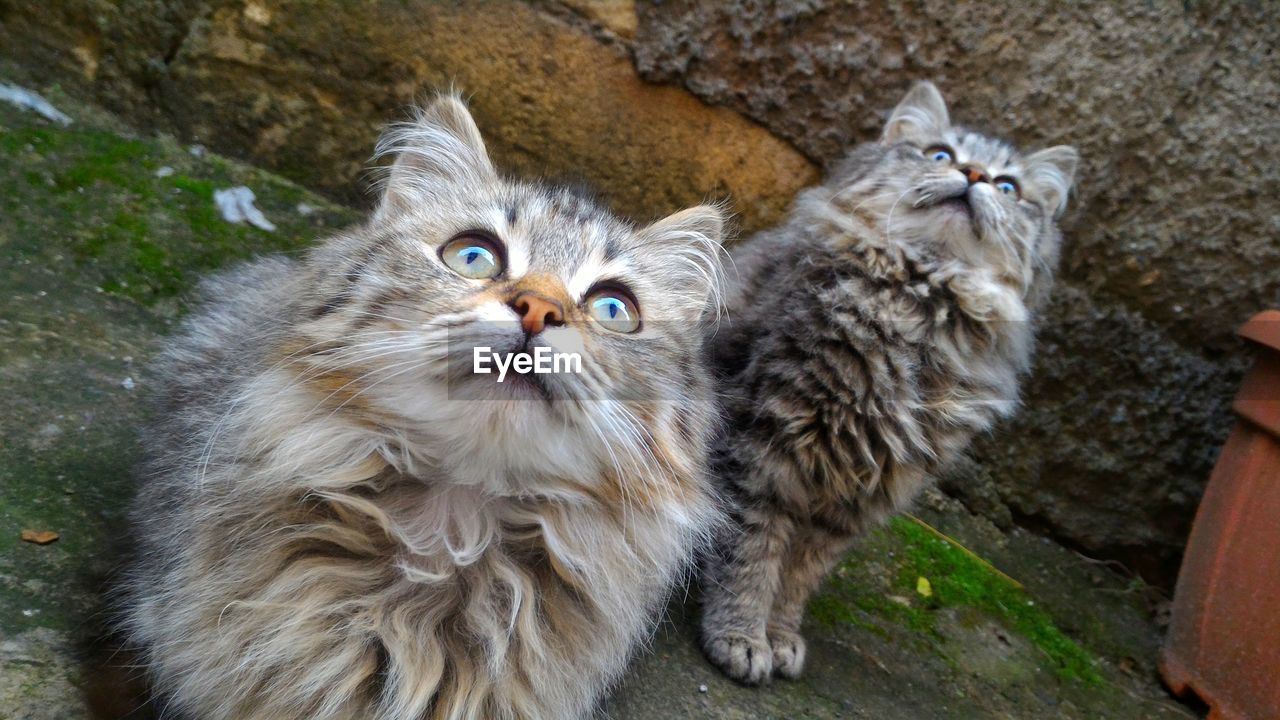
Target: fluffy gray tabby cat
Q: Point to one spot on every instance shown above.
(871, 336)
(342, 520)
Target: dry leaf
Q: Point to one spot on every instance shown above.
(39, 537)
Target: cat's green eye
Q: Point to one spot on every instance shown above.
(473, 256)
(614, 308)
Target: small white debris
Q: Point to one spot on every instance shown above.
(236, 205)
(196, 150)
(702, 688)
(304, 209)
(164, 172)
(255, 12)
(28, 100)
(128, 383)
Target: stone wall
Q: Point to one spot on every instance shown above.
(303, 88)
(1172, 239)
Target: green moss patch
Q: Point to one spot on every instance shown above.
(957, 578)
(879, 589)
(97, 249)
(144, 236)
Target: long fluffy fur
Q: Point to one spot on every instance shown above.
(337, 522)
(871, 336)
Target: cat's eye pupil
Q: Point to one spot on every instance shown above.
(611, 306)
(473, 256)
(1008, 187)
(939, 154)
(614, 310)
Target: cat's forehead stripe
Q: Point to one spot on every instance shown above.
(557, 230)
(974, 147)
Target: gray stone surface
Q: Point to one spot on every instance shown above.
(1172, 241)
(878, 662)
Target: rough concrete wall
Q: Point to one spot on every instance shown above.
(1172, 238)
(303, 88)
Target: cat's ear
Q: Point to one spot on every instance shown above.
(690, 242)
(1050, 174)
(701, 224)
(922, 115)
(437, 152)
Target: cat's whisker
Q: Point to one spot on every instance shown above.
(640, 428)
(414, 364)
(870, 199)
(888, 222)
(344, 362)
(364, 313)
(615, 464)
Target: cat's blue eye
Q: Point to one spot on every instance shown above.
(473, 256)
(1008, 186)
(940, 154)
(614, 309)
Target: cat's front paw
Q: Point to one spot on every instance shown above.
(788, 653)
(747, 659)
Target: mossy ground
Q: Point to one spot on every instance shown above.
(934, 572)
(98, 251)
(148, 236)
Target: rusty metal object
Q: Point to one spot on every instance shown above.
(1224, 638)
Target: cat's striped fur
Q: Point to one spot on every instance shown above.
(869, 338)
(340, 521)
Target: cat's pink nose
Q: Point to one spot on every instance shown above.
(974, 175)
(537, 312)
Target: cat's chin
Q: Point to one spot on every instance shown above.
(955, 207)
(954, 217)
(521, 387)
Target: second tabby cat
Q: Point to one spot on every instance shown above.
(871, 336)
